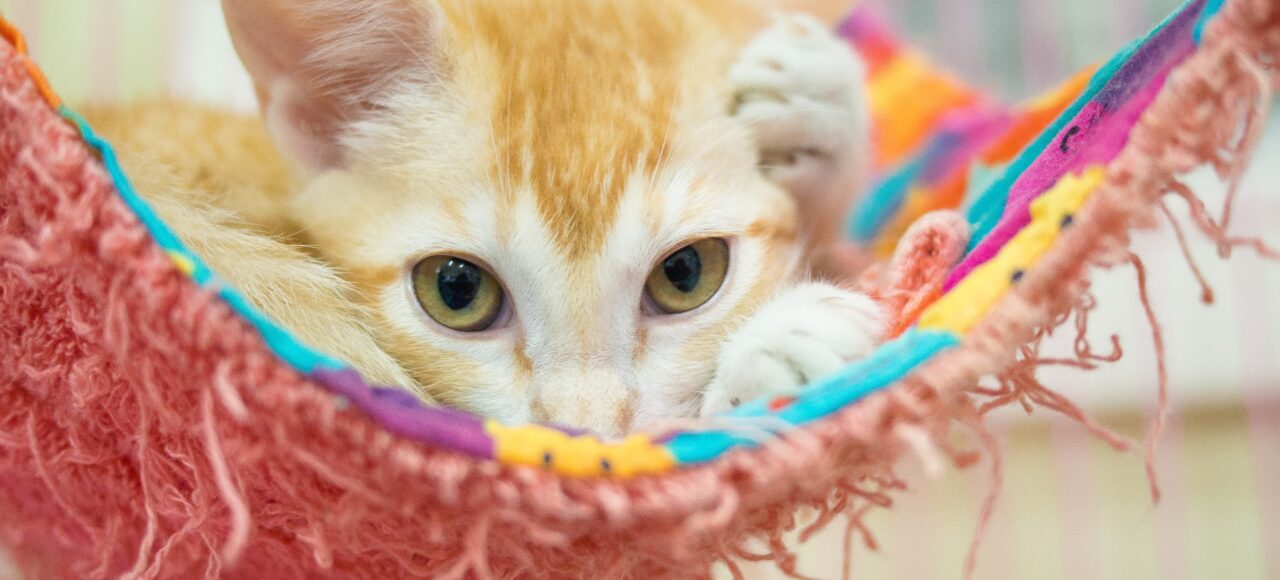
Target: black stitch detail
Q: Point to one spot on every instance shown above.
(1067, 220)
(1064, 145)
(1017, 276)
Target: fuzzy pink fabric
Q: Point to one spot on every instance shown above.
(146, 431)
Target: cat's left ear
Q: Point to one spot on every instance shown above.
(320, 65)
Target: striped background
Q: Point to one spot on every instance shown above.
(1072, 508)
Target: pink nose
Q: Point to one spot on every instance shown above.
(592, 399)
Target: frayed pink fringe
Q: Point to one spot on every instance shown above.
(146, 431)
(1212, 111)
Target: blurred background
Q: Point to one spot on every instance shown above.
(1071, 507)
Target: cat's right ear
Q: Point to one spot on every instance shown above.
(320, 65)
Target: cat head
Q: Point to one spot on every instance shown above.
(546, 205)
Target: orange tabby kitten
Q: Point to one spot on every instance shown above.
(587, 212)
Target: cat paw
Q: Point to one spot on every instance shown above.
(801, 91)
(806, 333)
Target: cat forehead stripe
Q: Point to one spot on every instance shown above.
(578, 107)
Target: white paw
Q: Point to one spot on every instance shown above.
(801, 91)
(803, 335)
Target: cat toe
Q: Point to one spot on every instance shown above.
(799, 90)
(796, 57)
(755, 374)
(806, 334)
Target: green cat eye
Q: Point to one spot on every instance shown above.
(457, 293)
(689, 277)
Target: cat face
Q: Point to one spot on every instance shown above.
(546, 205)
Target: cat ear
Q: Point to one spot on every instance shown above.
(319, 65)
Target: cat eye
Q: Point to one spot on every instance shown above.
(457, 293)
(689, 277)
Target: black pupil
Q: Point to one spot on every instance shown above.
(459, 282)
(683, 269)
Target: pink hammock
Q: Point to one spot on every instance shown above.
(152, 424)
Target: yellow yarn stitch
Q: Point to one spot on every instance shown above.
(579, 456)
(182, 261)
(961, 308)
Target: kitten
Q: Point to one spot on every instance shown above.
(594, 213)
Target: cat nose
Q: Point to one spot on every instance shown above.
(595, 399)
